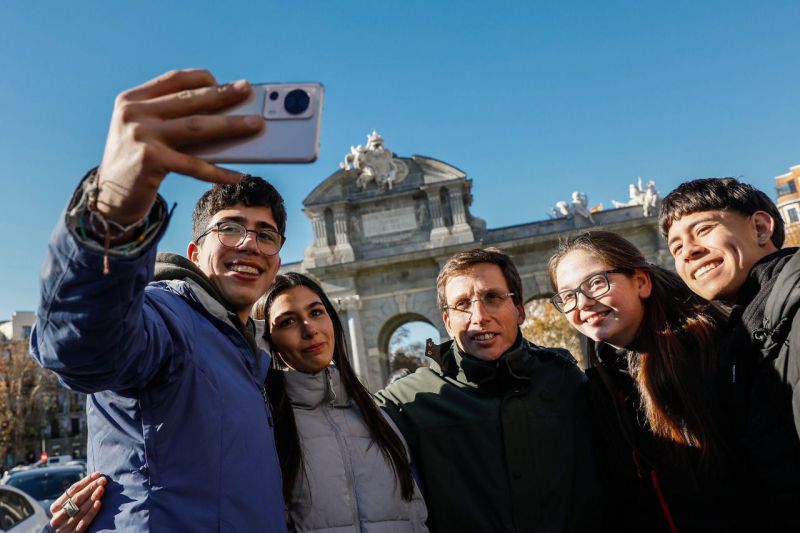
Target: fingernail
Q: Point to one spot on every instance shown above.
(253, 121)
(241, 86)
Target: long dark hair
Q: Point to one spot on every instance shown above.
(287, 439)
(674, 354)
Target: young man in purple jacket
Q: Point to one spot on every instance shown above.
(177, 414)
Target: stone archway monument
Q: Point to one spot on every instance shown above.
(384, 225)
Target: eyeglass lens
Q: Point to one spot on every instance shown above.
(593, 287)
(491, 302)
(232, 235)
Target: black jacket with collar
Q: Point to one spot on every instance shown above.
(501, 446)
(650, 478)
(764, 346)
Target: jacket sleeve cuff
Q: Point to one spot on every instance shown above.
(77, 222)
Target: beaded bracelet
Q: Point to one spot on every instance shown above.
(101, 228)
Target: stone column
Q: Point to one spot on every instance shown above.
(352, 306)
(318, 225)
(435, 207)
(457, 207)
(343, 252)
(319, 253)
(439, 232)
(460, 232)
(340, 225)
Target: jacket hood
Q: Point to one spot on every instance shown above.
(747, 315)
(782, 302)
(174, 267)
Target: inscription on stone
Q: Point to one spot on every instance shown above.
(391, 221)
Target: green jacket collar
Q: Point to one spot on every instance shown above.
(512, 369)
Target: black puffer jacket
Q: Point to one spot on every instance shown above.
(764, 346)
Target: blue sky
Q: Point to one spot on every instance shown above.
(532, 99)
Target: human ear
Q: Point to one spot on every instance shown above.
(764, 226)
(193, 252)
(520, 314)
(644, 283)
(446, 320)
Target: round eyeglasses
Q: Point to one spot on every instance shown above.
(592, 287)
(232, 235)
(491, 301)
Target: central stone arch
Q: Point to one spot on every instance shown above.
(384, 226)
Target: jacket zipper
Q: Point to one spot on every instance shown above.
(343, 450)
(267, 405)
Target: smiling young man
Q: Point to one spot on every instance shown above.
(498, 427)
(176, 411)
(725, 237)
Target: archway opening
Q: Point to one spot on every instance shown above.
(545, 326)
(407, 348)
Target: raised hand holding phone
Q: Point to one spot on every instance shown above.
(148, 125)
(293, 112)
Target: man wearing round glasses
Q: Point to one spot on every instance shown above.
(178, 418)
(240, 262)
(498, 427)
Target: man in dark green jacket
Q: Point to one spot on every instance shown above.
(499, 428)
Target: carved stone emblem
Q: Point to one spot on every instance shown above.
(373, 163)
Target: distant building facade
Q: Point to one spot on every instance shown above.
(788, 201)
(36, 413)
(19, 327)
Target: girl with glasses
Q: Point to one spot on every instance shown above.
(654, 381)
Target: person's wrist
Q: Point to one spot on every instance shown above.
(115, 207)
(99, 228)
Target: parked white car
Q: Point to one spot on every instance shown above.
(19, 513)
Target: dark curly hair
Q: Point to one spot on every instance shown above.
(251, 191)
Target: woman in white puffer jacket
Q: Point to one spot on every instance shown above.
(345, 468)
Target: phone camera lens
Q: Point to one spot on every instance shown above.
(273, 95)
(296, 102)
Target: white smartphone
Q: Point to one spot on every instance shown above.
(293, 113)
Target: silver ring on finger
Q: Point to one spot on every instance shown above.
(184, 95)
(70, 508)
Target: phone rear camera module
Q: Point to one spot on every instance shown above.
(274, 95)
(296, 102)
